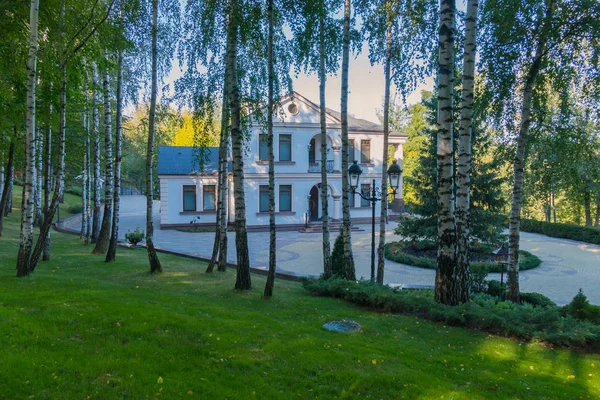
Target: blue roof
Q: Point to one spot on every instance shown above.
(180, 160)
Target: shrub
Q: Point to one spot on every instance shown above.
(585, 234)
(135, 237)
(536, 299)
(75, 209)
(478, 274)
(484, 312)
(581, 309)
(526, 259)
(495, 289)
(337, 258)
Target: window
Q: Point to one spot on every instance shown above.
(285, 198)
(350, 199)
(351, 156)
(285, 147)
(311, 152)
(263, 198)
(365, 189)
(365, 151)
(189, 197)
(263, 147)
(208, 192)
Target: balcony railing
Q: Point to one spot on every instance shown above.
(315, 167)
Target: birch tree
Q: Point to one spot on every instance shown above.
(104, 234)
(463, 177)
(346, 222)
(96, 159)
(445, 277)
(26, 236)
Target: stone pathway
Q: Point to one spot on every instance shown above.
(567, 265)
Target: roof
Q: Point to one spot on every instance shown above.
(354, 124)
(179, 160)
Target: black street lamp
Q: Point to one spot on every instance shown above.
(501, 254)
(354, 173)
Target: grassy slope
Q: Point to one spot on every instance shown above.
(79, 327)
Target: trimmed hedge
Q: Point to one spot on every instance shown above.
(527, 260)
(550, 324)
(587, 234)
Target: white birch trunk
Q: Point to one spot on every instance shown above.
(346, 222)
(26, 236)
(513, 293)
(37, 193)
(47, 180)
(384, 166)
(445, 277)
(96, 139)
(84, 173)
(463, 177)
(327, 266)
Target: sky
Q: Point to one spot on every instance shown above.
(365, 86)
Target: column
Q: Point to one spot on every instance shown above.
(337, 163)
(336, 206)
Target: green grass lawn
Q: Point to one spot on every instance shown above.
(80, 328)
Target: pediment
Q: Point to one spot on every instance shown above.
(296, 109)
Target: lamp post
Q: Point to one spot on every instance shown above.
(501, 254)
(354, 173)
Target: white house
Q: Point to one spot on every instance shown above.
(187, 193)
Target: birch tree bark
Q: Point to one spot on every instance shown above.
(84, 173)
(463, 176)
(26, 236)
(519, 161)
(327, 266)
(155, 265)
(346, 222)
(272, 234)
(6, 189)
(37, 192)
(47, 173)
(384, 166)
(215, 258)
(111, 254)
(11, 181)
(242, 281)
(445, 277)
(223, 185)
(96, 139)
(105, 229)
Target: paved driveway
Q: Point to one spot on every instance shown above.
(567, 265)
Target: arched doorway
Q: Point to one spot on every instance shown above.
(313, 203)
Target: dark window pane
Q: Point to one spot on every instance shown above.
(209, 197)
(351, 199)
(264, 198)
(263, 148)
(285, 147)
(365, 151)
(365, 189)
(285, 198)
(189, 197)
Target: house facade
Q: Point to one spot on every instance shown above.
(190, 193)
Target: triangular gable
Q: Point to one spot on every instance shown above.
(297, 109)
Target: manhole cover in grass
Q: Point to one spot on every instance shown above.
(342, 326)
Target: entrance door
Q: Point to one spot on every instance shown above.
(314, 203)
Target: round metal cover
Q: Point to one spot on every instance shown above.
(342, 326)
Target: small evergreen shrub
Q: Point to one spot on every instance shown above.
(581, 309)
(536, 299)
(135, 237)
(495, 289)
(478, 274)
(337, 258)
(75, 209)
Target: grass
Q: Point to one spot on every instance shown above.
(80, 328)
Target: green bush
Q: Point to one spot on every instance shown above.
(74, 190)
(478, 274)
(135, 237)
(526, 259)
(337, 258)
(536, 299)
(585, 234)
(495, 289)
(581, 309)
(483, 312)
(75, 209)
